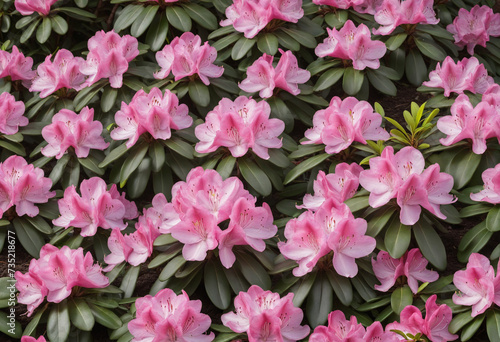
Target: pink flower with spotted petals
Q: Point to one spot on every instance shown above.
(11, 114)
(339, 329)
(32, 290)
(491, 191)
(15, 65)
(343, 4)
(387, 270)
(28, 7)
(393, 13)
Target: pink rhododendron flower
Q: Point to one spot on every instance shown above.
(185, 56)
(55, 274)
(478, 285)
(353, 43)
(340, 185)
(264, 78)
(434, 326)
(23, 185)
(32, 339)
(339, 329)
(474, 27)
(16, 66)
(264, 316)
(343, 4)
(240, 125)
(169, 317)
(64, 72)
(69, 129)
(343, 122)
(27, 7)
(108, 57)
(491, 191)
(96, 207)
(412, 265)
(155, 113)
(402, 176)
(393, 13)
(11, 114)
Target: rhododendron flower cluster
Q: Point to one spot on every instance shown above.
(252, 16)
(108, 57)
(263, 77)
(474, 27)
(96, 207)
(477, 123)
(402, 176)
(155, 113)
(340, 185)
(340, 329)
(240, 125)
(185, 56)
(11, 114)
(169, 317)
(343, 4)
(23, 185)
(64, 72)
(69, 129)
(467, 74)
(332, 227)
(412, 265)
(491, 191)
(393, 13)
(15, 65)
(28, 7)
(477, 285)
(353, 43)
(343, 122)
(55, 274)
(434, 326)
(264, 316)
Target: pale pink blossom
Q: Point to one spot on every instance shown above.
(239, 126)
(28, 7)
(353, 43)
(343, 4)
(339, 329)
(264, 316)
(387, 270)
(252, 16)
(491, 191)
(16, 66)
(474, 27)
(11, 114)
(415, 269)
(264, 78)
(185, 56)
(156, 113)
(375, 333)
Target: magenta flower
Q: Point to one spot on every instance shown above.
(467, 74)
(32, 339)
(69, 129)
(264, 316)
(393, 13)
(353, 43)
(474, 27)
(251, 16)
(491, 191)
(185, 56)
(64, 72)
(27, 7)
(96, 207)
(16, 66)
(155, 113)
(167, 316)
(263, 77)
(11, 114)
(240, 125)
(108, 57)
(339, 329)
(478, 285)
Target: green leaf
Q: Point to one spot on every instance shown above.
(85, 95)
(302, 288)
(375, 304)
(459, 321)
(114, 155)
(44, 30)
(224, 42)
(157, 154)
(6, 325)
(178, 18)
(180, 147)
(304, 166)
(143, 21)
(31, 327)
(108, 98)
(172, 267)
(253, 271)
(105, 317)
(401, 298)
(129, 281)
(39, 223)
(157, 33)
(15, 147)
(278, 158)
(268, 43)
(462, 167)
(29, 31)
(23, 22)
(75, 12)
(430, 49)
(216, 284)
(451, 213)
(342, 287)
(493, 219)
(281, 111)
(254, 175)
(380, 82)
(470, 329)
(286, 41)
(201, 15)
(493, 325)
(127, 17)
(30, 238)
(395, 41)
(241, 47)
(328, 79)
(430, 245)
(353, 80)
(163, 181)
(397, 238)
(357, 203)
(58, 323)
(379, 221)
(337, 19)
(132, 162)
(473, 241)
(416, 70)
(226, 166)
(139, 179)
(199, 94)
(304, 38)
(59, 25)
(92, 164)
(80, 314)
(319, 301)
